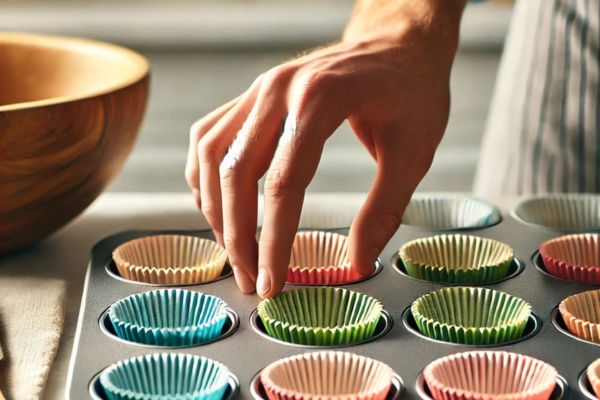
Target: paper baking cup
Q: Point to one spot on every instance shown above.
(322, 316)
(165, 376)
(474, 316)
(169, 317)
(593, 375)
(457, 259)
(486, 375)
(574, 257)
(567, 211)
(170, 259)
(581, 313)
(450, 212)
(327, 375)
(320, 258)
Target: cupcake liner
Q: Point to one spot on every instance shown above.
(474, 316)
(327, 375)
(170, 259)
(169, 317)
(486, 375)
(447, 212)
(322, 316)
(573, 257)
(166, 375)
(593, 375)
(565, 211)
(457, 259)
(320, 258)
(581, 313)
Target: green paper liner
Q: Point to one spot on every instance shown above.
(457, 259)
(581, 313)
(165, 376)
(169, 317)
(474, 316)
(327, 375)
(170, 260)
(321, 316)
(593, 375)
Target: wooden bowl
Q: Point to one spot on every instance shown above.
(70, 110)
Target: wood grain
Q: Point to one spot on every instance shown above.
(70, 111)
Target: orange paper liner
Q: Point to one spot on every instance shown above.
(327, 375)
(581, 313)
(320, 258)
(593, 375)
(170, 259)
(573, 257)
(487, 375)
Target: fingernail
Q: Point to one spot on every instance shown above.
(243, 280)
(263, 284)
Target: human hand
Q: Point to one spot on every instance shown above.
(394, 91)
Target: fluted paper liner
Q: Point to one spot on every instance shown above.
(487, 375)
(437, 211)
(457, 259)
(320, 258)
(561, 211)
(322, 316)
(169, 317)
(327, 375)
(593, 375)
(573, 257)
(581, 313)
(467, 315)
(170, 259)
(165, 376)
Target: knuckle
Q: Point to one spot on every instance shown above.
(198, 129)
(275, 78)
(279, 184)
(315, 82)
(208, 149)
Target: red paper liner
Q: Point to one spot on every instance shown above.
(490, 375)
(574, 258)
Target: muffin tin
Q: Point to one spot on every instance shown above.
(246, 352)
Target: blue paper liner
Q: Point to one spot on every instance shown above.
(166, 376)
(169, 317)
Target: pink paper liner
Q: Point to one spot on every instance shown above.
(512, 376)
(322, 276)
(593, 375)
(338, 368)
(581, 325)
(574, 258)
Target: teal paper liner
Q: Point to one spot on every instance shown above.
(166, 376)
(169, 317)
(321, 316)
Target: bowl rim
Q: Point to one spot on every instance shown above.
(77, 45)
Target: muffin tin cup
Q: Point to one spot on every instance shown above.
(456, 259)
(168, 317)
(560, 392)
(355, 278)
(560, 325)
(450, 212)
(175, 375)
(585, 385)
(322, 316)
(327, 375)
(232, 390)
(479, 375)
(493, 317)
(575, 258)
(384, 325)
(581, 315)
(564, 212)
(593, 376)
(532, 328)
(396, 391)
(170, 260)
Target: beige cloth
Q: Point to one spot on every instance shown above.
(31, 324)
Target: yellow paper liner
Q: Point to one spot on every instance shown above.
(593, 375)
(573, 257)
(327, 375)
(581, 313)
(486, 375)
(320, 258)
(170, 259)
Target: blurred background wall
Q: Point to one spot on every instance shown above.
(205, 52)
